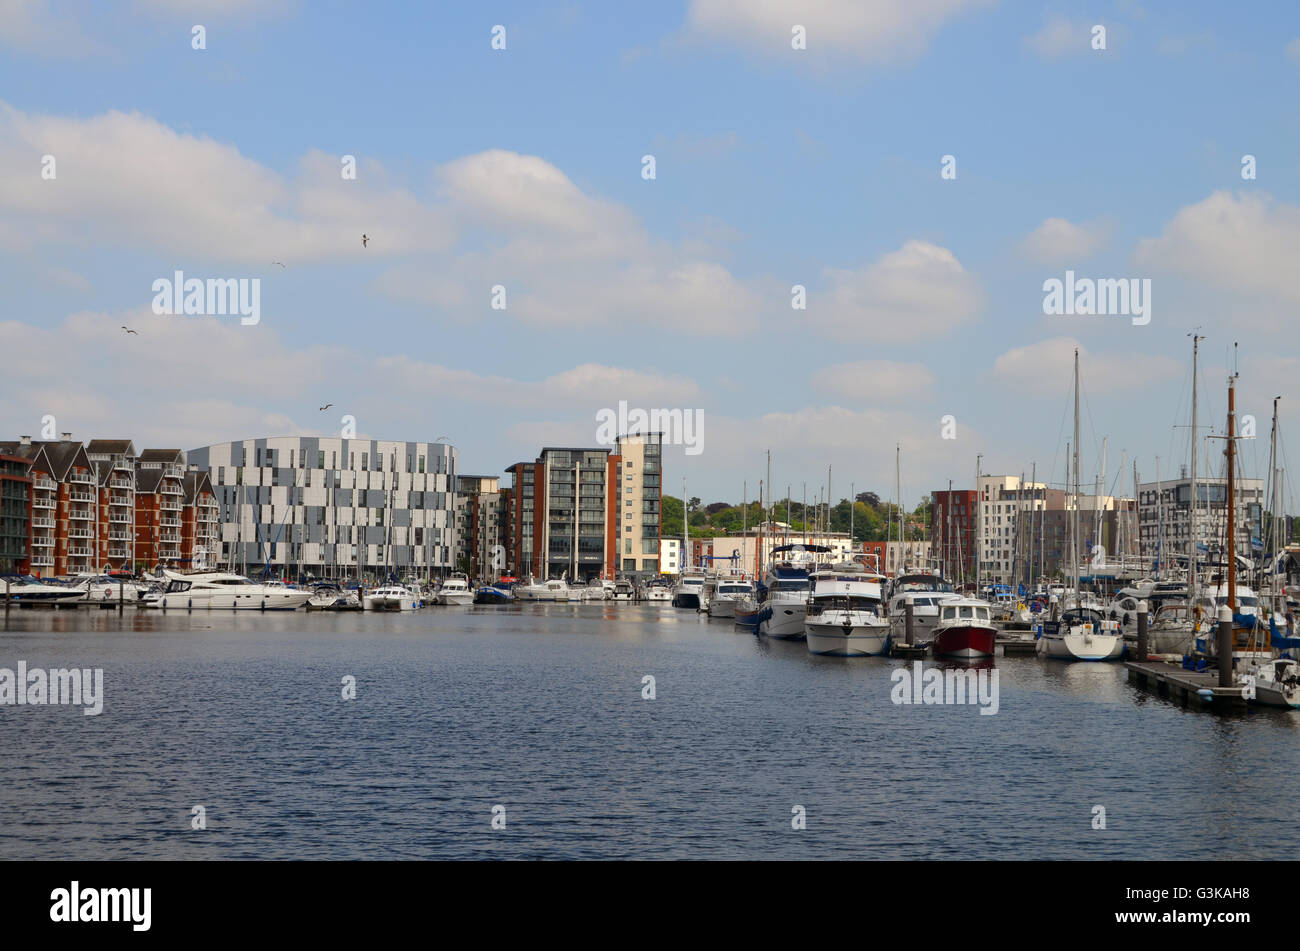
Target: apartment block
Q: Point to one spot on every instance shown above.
(334, 507)
(16, 495)
(482, 526)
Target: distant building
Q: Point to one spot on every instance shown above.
(482, 526)
(583, 513)
(15, 514)
(953, 533)
(1166, 524)
(159, 499)
(670, 556)
(114, 461)
(334, 507)
(63, 515)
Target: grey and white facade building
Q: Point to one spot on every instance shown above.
(334, 507)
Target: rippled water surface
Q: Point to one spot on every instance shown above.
(539, 708)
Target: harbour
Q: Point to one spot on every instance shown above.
(540, 708)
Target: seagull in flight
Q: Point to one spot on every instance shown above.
(364, 240)
(278, 262)
(325, 407)
(130, 331)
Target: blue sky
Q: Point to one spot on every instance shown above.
(522, 167)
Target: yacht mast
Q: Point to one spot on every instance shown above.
(1191, 525)
(979, 523)
(1075, 545)
(1232, 498)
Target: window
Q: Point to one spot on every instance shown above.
(365, 460)
(422, 463)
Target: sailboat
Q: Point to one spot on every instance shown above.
(1082, 633)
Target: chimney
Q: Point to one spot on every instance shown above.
(25, 440)
(67, 437)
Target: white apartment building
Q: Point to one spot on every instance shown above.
(334, 507)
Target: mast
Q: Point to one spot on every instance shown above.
(1160, 522)
(1232, 498)
(979, 523)
(1192, 526)
(852, 505)
(898, 489)
(947, 537)
(1033, 510)
(1271, 537)
(686, 528)
(1078, 599)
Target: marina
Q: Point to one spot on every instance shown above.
(710, 768)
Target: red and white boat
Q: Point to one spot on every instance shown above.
(964, 629)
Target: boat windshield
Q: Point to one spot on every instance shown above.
(800, 585)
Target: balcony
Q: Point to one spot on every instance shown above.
(120, 536)
(41, 522)
(42, 561)
(120, 500)
(43, 503)
(119, 551)
(82, 478)
(79, 551)
(43, 541)
(123, 464)
(169, 505)
(81, 515)
(173, 472)
(171, 537)
(171, 522)
(46, 483)
(79, 495)
(79, 532)
(119, 519)
(118, 482)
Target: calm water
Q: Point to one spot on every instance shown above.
(538, 708)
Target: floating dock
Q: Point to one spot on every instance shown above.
(1012, 646)
(1188, 687)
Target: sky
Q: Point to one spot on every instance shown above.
(919, 167)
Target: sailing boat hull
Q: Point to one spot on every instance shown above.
(1081, 645)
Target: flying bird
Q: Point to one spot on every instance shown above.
(325, 407)
(130, 331)
(278, 262)
(364, 239)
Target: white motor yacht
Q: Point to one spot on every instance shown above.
(225, 591)
(455, 589)
(845, 612)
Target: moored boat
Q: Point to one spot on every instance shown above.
(964, 629)
(844, 616)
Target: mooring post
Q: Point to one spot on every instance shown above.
(1143, 646)
(121, 595)
(1225, 646)
(907, 619)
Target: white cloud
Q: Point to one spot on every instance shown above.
(915, 293)
(130, 180)
(879, 31)
(1061, 37)
(32, 27)
(1047, 366)
(1244, 243)
(868, 381)
(1058, 241)
(197, 380)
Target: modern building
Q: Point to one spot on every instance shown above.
(114, 461)
(63, 504)
(670, 556)
(583, 513)
(200, 521)
(891, 558)
(482, 526)
(953, 533)
(334, 507)
(1167, 527)
(637, 503)
(16, 495)
(159, 499)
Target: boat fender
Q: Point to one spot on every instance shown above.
(189, 605)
